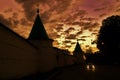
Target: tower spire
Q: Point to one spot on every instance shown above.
(38, 31)
(77, 48)
(38, 11)
(79, 54)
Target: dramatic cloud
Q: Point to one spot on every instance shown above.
(74, 14)
(8, 10)
(89, 25)
(59, 28)
(99, 9)
(30, 5)
(69, 30)
(117, 0)
(102, 15)
(71, 36)
(24, 22)
(118, 10)
(84, 36)
(67, 41)
(79, 33)
(6, 22)
(63, 19)
(82, 40)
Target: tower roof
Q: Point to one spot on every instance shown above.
(78, 48)
(38, 31)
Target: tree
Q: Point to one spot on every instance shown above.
(108, 41)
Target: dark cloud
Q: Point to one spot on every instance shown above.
(96, 30)
(75, 15)
(69, 30)
(76, 23)
(29, 7)
(93, 25)
(80, 32)
(117, 0)
(88, 18)
(15, 15)
(106, 2)
(73, 42)
(118, 10)
(68, 46)
(60, 25)
(100, 9)
(88, 25)
(12, 21)
(102, 15)
(59, 28)
(63, 5)
(54, 35)
(56, 42)
(58, 36)
(15, 23)
(82, 40)
(94, 33)
(84, 36)
(71, 36)
(94, 42)
(67, 41)
(8, 10)
(53, 21)
(87, 45)
(80, 13)
(45, 16)
(24, 22)
(5, 21)
(83, 21)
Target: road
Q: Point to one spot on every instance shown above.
(100, 72)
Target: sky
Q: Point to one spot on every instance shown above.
(65, 21)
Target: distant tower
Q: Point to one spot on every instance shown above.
(77, 49)
(78, 53)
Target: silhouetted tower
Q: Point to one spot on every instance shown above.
(39, 34)
(39, 38)
(77, 49)
(38, 31)
(78, 53)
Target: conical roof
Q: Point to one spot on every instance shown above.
(77, 49)
(38, 31)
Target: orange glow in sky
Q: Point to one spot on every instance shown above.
(65, 21)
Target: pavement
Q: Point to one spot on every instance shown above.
(100, 72)
(78, 72)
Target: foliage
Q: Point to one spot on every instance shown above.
(109, 33)
(108, 41)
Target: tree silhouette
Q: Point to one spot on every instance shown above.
(109, 38)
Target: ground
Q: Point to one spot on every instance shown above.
(78, 72)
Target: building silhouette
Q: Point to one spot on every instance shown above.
(20, 57)
(79, 54)
(39, 38)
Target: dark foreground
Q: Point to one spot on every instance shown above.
(77, 72)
